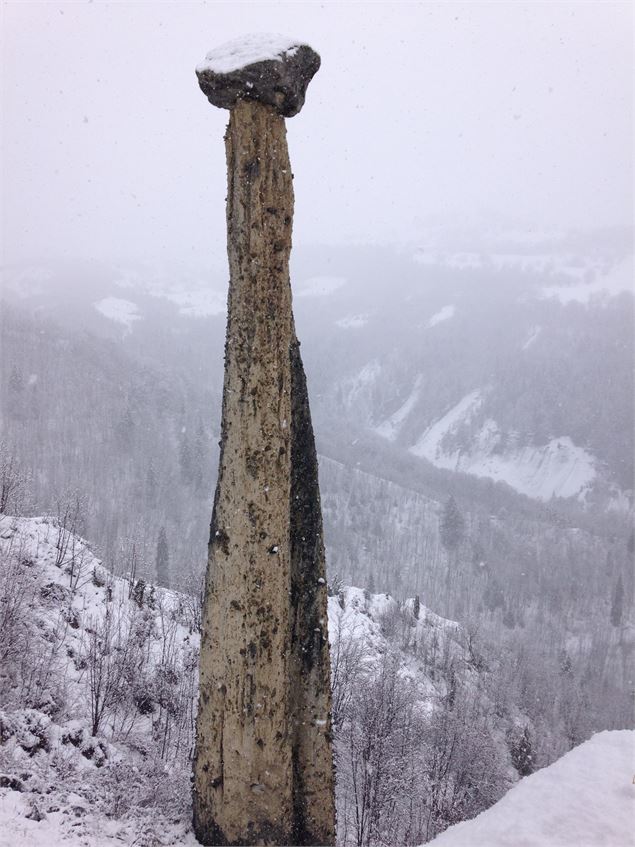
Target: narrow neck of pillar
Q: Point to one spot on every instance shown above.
(260, 188)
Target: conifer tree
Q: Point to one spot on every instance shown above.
(452, 526)
(163, 560)
(617, 607)
(522, 754)
(416, 607)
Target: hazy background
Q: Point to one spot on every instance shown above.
(473, 114)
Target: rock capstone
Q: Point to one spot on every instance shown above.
(267, 69)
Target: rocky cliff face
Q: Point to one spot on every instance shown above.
(263, 771)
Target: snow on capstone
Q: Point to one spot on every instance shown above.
(247, 50)
(270, 69)
(585, 799)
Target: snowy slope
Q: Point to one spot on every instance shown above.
(619, 279)
(129, 781)
(559, 468)
(60, 783)
(585, 799)
(318, 286)
(118, 310)
(390, 427)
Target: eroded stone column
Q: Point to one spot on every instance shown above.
(263, 770)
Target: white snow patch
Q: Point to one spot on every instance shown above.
(25, 282)
(121, 311)
(199, 303)
(544, 263)
(557, 469)
(247, 50)
(533, 335)
(443, 314)
(617, 280)
(368, 374)
(319, 286)
(459, 261)
(530, 262)
(390, 427)
(585, 798)
(620, 501)
(428, 446)
(47, 558)
(355, 387)
(352, 322)
(195, 298)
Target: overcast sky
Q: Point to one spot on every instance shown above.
(421, 113)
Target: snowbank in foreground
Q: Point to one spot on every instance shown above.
(585, 799)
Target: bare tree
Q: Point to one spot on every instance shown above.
(13, 482)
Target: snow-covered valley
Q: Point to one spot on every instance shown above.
(474, 388)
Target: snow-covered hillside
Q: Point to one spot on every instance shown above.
(99, 686)
(559, 468)
(585, 799)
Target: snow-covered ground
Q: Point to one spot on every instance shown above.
(429, 445)
(119, 310)
(563, 265)
(198, 303)
(25, 282)
(531, 338)
(443, 314)
(356, 388)
(318, 286)
(128, 782)
(80, 642)
(352, 322)
(620, 278)
(197, 297)
(558, 469)
(585, 799)
(390, 427)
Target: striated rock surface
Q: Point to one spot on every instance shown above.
(263, 768)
